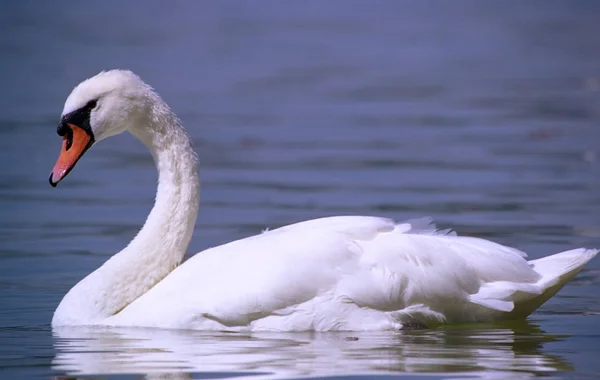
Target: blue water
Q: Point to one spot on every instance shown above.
(483, 115)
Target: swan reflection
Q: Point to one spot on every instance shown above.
(488, 351)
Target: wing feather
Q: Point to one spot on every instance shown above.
(409, 268)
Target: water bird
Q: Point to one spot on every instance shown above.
(351, 273)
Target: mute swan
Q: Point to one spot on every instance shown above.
(336, 273)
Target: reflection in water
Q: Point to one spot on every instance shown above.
(485, 351)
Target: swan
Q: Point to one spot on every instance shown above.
(342, 273)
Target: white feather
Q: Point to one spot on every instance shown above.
(337, 273)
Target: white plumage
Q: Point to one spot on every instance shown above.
(337, 273)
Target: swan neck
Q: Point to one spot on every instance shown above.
(170, 224)
(161, 244)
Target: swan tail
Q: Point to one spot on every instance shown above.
(558, 269)
(521, 299)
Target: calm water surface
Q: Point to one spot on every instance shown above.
(482, 115)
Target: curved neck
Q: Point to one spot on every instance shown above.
(161, 244)
(170, 224)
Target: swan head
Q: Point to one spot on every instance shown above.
(99, 107)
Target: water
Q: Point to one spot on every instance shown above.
(482, 115)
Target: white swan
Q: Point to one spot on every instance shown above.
(338, 273)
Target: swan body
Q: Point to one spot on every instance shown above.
(329, 274)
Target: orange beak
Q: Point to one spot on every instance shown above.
(75, 142)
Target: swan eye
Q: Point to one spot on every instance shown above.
(91, 104)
